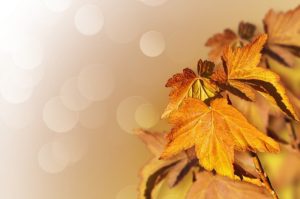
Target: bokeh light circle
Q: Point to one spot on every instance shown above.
(152, 43)
(60, 151)
(126, 113)
(57, 5)
(14, 94)
(71, 96)
(29, 54)
(96, 82)
(89, 19)
(49, 162)
(18, 116)
(73, 145)
(58, 117)
(16, 86)
(146, 115)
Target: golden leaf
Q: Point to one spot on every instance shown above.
(209, 186)
(215, 131)
(283, 29)
(241, 67)
(187, 84)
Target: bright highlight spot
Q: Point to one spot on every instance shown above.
(49, 162)
(152, 43)
(17, 116)
(29, 55)
(89, 19)
(146, 116)
(16, 86)
(73, 145)
(126, 113)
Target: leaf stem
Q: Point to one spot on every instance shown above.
(263, 175)
(293, 134)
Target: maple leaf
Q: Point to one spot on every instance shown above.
(218, 41)
(209, 186)
(283, 29)
(244, 77)
(215, 131)
(172, 170)
(188, 84)
(258, 112)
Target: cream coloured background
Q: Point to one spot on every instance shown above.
(77, 76)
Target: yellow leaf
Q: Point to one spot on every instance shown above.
(246, 57)
(215, 131)
(187, 84)
(241, 66)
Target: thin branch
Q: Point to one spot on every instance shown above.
(295, 191)
(293, 134)
(263, 175)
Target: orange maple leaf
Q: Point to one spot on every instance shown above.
(244, 77)
(215, 131)
(187, 84)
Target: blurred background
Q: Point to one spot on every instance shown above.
(76, 77)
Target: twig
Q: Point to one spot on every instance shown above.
(295, 191)
(293, 134)
(263, 175)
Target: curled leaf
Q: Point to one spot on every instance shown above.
(246, 30)
(205, 68)
(154, 172)
(241, 67)
(187, 84)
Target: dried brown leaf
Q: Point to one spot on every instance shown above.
(209, 186)
(218, 41)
